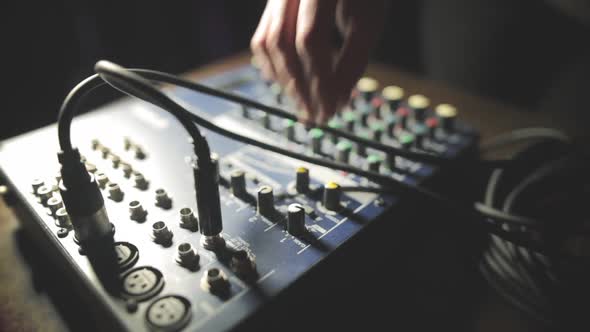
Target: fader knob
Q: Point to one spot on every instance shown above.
(331, 199)
(391, 122)
(431, 125)
(361, 149)
(335, 124)
(289, 129)
(419, 104)
(245, 112)
(266, 204)
(373, 163)
(349, 121)
(296, 219)
(376, 104)
(406, 140)
(446, 114)
(365, 118)
(377, 131)
(420, 132)
(367, 88)
(238, 183)
(393, 96)
(265, 120)
(343, 150)
(302, 180)
(402, 115)
(316, 135)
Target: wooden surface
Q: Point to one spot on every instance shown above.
(24, 306)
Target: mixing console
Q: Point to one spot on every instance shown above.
(282, 218)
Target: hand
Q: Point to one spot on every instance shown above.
(294, 46)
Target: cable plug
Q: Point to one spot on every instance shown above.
(85, 205)
(208, 203)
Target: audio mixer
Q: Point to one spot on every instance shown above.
(283, 220)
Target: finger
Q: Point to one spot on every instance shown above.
(281, 47)
(258, 42)
(312, 43)
(360, 35)
(350, 65)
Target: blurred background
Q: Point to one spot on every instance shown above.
(529, 53)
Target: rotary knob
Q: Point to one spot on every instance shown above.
(446, 114)
(332, 193)
(419, 104)
(317, 136)
(367, 87)
(302, 180)
(238, 183)
(266, 204)
(343, 150)
(289, 129)
(393, 96)
(296, 219)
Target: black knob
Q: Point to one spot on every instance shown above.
(419, 104)
(238, 183)
(331, 199)
(406, 140)
(343, 150)
(316, 135)
(373, 163)
(391, 123)
(367, 87)
(302, 180)
(402, 115)
(446, 114)
(365, 118)
(349, 121)
(420, 132)
(335, 124)
(245, 112)
(289, 129)
(265, 120)
(266, 204)
(431, 125)
(361, 149)
(296, 219)
(377, 131)
(393, 96)
(376, 104)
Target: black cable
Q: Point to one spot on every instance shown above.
(448, 204)
(523, 276)
(524, 134)
(67, 113)
(70, 106)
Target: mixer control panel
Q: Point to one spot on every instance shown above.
(281, 217)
